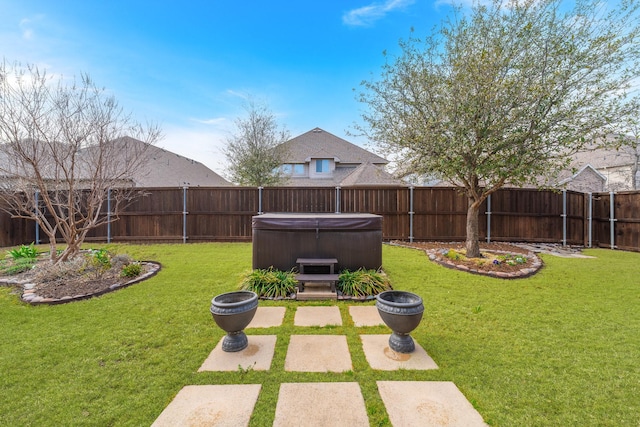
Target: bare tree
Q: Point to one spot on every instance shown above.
(63, 147)
(506, 93)
(255, 154)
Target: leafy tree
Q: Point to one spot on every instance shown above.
(505, 93)
(253, 153)
(63, 145)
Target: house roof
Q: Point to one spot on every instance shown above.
(602, 158)
(320, 144)
(168, 169)
(370, 174)
(564, 178)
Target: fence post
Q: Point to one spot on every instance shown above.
(109, 215)
(260, 201)
(564, 217)
(590, 220)
(488, 212)
(37, 196)
(411, 213)
(184, 214)
(612, 219)
(338, 199)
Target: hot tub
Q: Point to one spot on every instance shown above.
(355, 240)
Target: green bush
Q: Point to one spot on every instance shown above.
(24, 252)
(131, 270)
(270, 283)
(362, 283)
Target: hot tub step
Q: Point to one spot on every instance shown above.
(316, 295)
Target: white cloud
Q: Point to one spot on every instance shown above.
(215, 121)
(367, 15)
(27, 26)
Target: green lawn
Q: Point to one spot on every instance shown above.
(560, 348)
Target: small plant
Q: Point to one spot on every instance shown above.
(270, 283)
(131, 270)
(19, 265)
(361, 283)
(453, 255)
(100, 261)
(24, 252)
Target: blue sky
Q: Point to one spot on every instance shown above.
(191, 65)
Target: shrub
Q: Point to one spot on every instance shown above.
(100, 259)
(362, 283)
(270, 283)
(131, 270)
(24, 252)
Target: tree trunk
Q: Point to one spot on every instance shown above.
(473, 243)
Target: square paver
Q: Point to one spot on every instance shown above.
(256, 356)
(208, 405)
(365, 315)
(267, 317)
(320, 405)
(427, 403)
(381, 357)
(317, 316)
(318, 353)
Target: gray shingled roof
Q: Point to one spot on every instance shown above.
(318, 143)
(370, 174)
(601, 158)
(168, 169)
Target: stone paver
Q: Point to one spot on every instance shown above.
(381, 357)
(318, 353)
(256, 356)
(317, 316)
(267, 317)
(426, 404)
(209, 405)
(408, 403)
(320, 405)
(365, 315)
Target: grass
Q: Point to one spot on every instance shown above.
(557, 349)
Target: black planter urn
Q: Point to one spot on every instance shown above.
(232, 312)
(401, 311)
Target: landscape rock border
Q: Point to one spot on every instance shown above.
(29, 290)
(436, 256)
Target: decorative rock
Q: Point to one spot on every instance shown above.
(29, 286)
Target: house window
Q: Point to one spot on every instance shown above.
(293, 169)
(322, 166)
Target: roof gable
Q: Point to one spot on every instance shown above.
(370, 174)
(319, 144)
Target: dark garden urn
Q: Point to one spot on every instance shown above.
(401, 311)
(233, 311)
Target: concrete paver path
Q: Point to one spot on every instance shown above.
(408, 403)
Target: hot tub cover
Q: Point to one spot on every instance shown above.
(324, 221)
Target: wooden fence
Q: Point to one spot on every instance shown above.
(420, 213)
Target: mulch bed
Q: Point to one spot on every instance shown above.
(436, 251)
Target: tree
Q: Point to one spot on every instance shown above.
(254, 153)
(505, 94)
(64, 145)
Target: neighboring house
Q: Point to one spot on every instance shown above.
(320, 159)
(586, 180)
(617, 167)
(161, 168)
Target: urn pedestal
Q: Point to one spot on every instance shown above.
(401, 311)
(232, 312)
